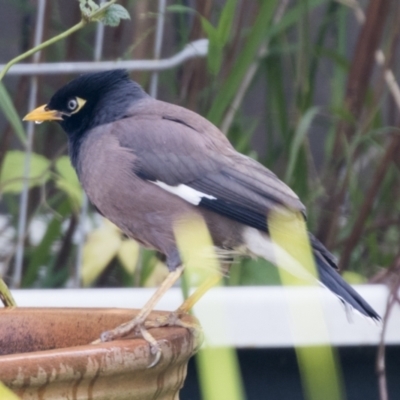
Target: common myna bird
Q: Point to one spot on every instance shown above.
(146, 164)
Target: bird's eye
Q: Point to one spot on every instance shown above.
(72, 104)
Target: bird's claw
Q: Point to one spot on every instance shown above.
(132, 327)
(154, 347)
(174, 319)
(136, 327)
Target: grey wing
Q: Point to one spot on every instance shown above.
(203, 170)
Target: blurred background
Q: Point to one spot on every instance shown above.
(307, 87)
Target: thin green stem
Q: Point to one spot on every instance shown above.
(84, 21)
(41, 46)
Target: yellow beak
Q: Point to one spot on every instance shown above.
(40, 114)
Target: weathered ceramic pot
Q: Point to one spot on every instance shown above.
(45, 354)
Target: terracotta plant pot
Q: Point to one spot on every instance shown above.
(45, 354)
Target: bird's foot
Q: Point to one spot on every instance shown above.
(136, 327)
(175, 318)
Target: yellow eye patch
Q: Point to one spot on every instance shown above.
(76, 104)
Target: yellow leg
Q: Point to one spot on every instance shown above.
(174, 318)
(198, 293)
(137, 322)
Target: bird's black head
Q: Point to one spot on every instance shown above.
(89, 101)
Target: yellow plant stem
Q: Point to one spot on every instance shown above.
(6, 296)
(319, 370)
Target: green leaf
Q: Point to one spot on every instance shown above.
(68, 182)
(157, 276)
(218, 37)
(210, 31)
(293, 15)
(295, 261)
(219, 364)
(214, 57)
(128, 255)
(11, 114)
(298, 139)
(246, 57)
(178, 8)
(113, 15)
(276, 105)
(88, 7)
(338, 59)
(101, 247)
(225, 22)
(5, 295)
(148, 264)
(42, 253)
(255, 272)
(6, 393)
(11, 179)
(354, 278)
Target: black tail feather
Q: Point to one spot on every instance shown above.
(330, 278)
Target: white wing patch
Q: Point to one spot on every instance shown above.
(186, 193)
